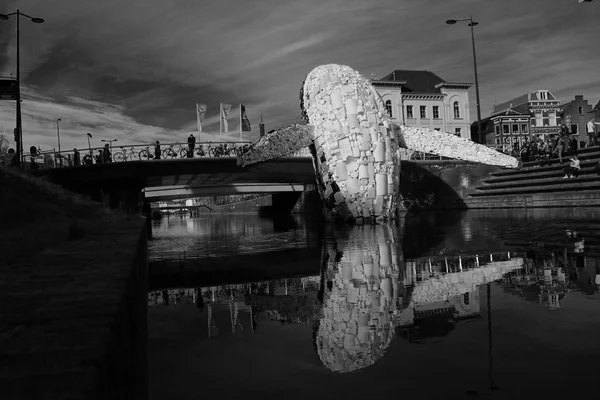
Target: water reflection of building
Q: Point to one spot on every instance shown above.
(550, 273)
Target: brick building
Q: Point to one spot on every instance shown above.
(423, 99)
(576, 113)
(534, 114)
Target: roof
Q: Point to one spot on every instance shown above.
(507, 105)
(509, 112)
(596, 108)
(521, 103)
(416, 81)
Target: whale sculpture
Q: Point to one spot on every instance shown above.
(356, 146)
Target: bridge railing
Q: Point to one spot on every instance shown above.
(135, 152)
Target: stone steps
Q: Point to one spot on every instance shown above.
(548, 181)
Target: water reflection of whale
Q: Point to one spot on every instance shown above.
(365, 294)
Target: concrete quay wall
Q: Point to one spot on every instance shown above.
(73, 284)
(440, 185)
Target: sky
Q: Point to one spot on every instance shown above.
(134, 70)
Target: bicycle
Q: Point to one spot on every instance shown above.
(217, 151)
(170, 152)
(145, 154)
(200, 151)
(241, 150)
(222, 150)
(123, 155)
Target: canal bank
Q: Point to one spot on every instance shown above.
(74, 288)
(452, 184)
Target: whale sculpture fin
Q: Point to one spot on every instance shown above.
(278, 143)
(445, 144)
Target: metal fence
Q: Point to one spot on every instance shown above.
(137, 152)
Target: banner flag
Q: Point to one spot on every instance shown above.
(225, 108)
(200, 112)
(89, 135)
(244, 118)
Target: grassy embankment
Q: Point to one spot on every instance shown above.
(37, 216)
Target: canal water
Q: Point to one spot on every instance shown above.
(497, 304)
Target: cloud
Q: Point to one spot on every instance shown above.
(135, 69)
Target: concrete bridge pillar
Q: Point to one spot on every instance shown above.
(281, 204)
(147, 213)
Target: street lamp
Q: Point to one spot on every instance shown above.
(472, 24)
(89, 136)
(19, 125)
(58, 134)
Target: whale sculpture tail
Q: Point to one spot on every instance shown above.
(278, 143)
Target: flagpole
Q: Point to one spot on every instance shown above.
(198, 121)
(240, 122)
(220, 122)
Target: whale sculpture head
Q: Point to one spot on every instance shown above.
(356, 146)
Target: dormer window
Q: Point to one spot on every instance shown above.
(543, 94)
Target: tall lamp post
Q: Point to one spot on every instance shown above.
(19, 141)
(58, 136)
(472, 24)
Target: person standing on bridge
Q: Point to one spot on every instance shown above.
(106, 156)
(76, 158)
(191, 145)
(157, 150)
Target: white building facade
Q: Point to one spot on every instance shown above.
(423, 99)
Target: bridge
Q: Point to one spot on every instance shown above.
(213, 171)
(129, 183)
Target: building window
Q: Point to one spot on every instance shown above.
(457, 131)
(545, 121)
(524, 128)
(505, 129)
(467, 298)
(456, 110)
(388, 107)
(498, 140)
(515, 129)
(574, 130)
(409, 112)
(543, 95)
(580, 110)
(538, 118)
(552, 116)
(423, 111)
(497, 130)
(436, 112)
